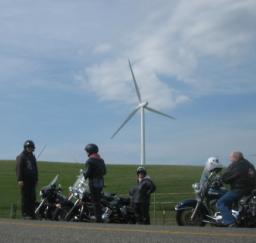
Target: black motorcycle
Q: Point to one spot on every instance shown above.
(202, 209)
(53, 204)
(117, 209)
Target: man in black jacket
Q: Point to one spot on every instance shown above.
(241, 176)
(95, 171)
(141, 196)
(27, 177)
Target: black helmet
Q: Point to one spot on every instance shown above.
(29, 144)
(141, 170)
(91, 148)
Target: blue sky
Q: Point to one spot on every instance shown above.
(65, 80)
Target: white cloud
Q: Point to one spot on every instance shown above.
(195, 43)
(113, 81)
(102, 48)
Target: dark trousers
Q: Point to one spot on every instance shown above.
(142, 212)
(96, 198)
(28, 199)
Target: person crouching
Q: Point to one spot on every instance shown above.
(140, 196)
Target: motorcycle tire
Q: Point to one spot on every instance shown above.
(59, 214)
(183, 218)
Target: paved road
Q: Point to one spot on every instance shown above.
(19, 231)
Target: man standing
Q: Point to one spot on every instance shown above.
(241, 176)
(95, 171)
(27, 177)
(141, 196)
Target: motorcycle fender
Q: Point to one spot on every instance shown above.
(189, 204)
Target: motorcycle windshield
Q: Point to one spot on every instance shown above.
(81, 185)
(204, 180)
(54, 181)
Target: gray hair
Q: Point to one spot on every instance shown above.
(237, 154)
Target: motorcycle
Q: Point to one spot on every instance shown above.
(53, 203)
(82, 209)
(202, 209)
(115, 209)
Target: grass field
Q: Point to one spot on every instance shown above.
(119, 178)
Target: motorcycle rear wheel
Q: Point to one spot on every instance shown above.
(183, 218)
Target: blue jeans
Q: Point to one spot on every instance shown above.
(224, 204)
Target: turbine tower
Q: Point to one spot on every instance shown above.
(142, 106)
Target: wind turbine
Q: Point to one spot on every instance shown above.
(142, 106)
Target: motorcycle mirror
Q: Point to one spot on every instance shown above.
(196, 186)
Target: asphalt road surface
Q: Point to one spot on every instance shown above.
(19, 231)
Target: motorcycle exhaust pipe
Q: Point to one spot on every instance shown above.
(209, 222)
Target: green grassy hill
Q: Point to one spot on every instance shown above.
(169, 180)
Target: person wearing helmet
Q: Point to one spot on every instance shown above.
(212, 165)
(241, 176)
(27, 177)
(140, 195)
(95, 171)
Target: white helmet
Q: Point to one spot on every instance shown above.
(212, 164)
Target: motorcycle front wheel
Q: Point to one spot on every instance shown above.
(59, 214)
(183, 218)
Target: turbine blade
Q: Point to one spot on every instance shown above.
(135, 82)
(126, 120)
(159, 113)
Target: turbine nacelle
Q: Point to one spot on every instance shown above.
(143, 104)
